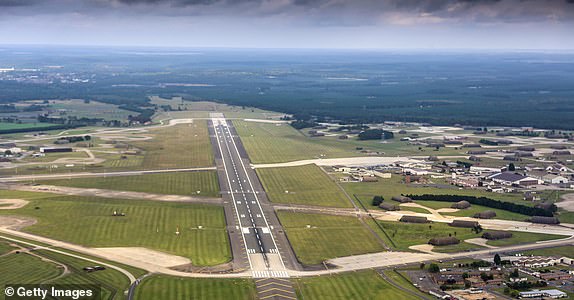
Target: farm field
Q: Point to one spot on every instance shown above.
(307, 185)
(177, 183)
(88, 221)
(179, 146)
(405, 235)
(166, 287)
(356, 285)
(316, 238)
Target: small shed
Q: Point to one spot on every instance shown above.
(389, 206)
(497, 235)
(526, 148)
(461, 205)
(402, 199)
(561, 152)
(487, 214)
(464, 224)
(414, 219)
(544, 220)
(444, 241)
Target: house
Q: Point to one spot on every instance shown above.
(510, 178)
(414, 219)
(554, 179)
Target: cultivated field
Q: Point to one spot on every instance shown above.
(357, 285)
(178, 183)
(165, 287)
(307, 185)
(316, 238)
(180, 146)
(88, 221)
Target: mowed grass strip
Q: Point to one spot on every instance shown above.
(316, 238)
(307, 185)
(177, 183)
(175, 288)
(405, 235)
(356, 285)
(23, 268)
(272, 143)
(88, 221)
(179, 146)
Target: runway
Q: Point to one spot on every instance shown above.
(242, 185)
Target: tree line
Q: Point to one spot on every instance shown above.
(488, 202)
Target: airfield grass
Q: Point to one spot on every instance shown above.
(11, 126)
(399, 278)
(567, 251)
(307, 185)
(23, 268)
(5, 248)
(49, 157)
(112, 281)
(176, 183)
(179, 146)
(272, 143)
(356, 285)
(174, 288)
(405, 235)
(88, 221)
(327, 237)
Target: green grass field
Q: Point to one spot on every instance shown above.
(174, 288)
(113, 282)
(10, 126)
(328, 236)
(307, 185)
(567, 251)
(405, 235)
(178, 183)
(23, 268)
(357, 286)
(270, 143)
(402, 280)
(88, 221)
(180, 146)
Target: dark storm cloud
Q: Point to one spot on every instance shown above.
(321, 11)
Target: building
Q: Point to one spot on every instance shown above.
(487, 214)
(554, 294)
(497, 235)
(464, 224)
(54, 150)
(414, 219)
(556, 168)
(461, 205)
(402, 199)
(510, 178)
(554, 179)
(444, 241)
(484, 170)
(544, 220)
(389, 207)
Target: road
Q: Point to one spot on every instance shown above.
(262, 251)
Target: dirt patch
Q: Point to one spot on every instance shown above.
(426, 248)
(479, 242)
(16, 223)
(567, 202)
(447, 210)
(12, 203)
(146, 255)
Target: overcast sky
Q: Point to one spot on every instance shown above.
(380, 24)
